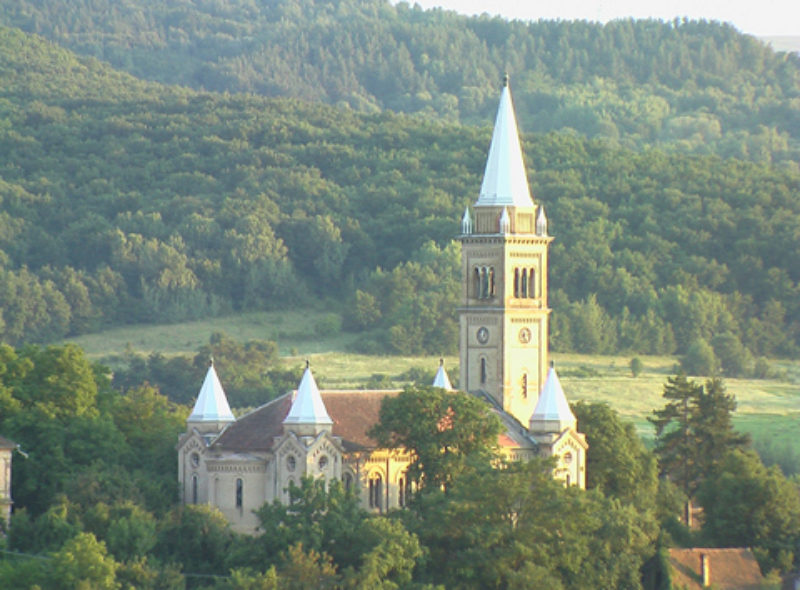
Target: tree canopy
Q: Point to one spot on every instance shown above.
(692, 86)
(126, 201)
(445, 432)
(748, 505)
(694, 431)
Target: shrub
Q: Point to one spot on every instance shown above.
(636, 366)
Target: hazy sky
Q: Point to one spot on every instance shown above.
(757, 17)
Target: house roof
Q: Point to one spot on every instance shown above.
(212, 403)
(505, 182)
(730, 569)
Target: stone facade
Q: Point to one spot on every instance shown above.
(254, 459)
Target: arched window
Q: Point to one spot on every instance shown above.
(239, 493)
(194, 489)
(516, 282)
(401, 491)
(524, 287)
(483, 371)
(484, 281)
(375, 491)
(348, 481)
(532, 283)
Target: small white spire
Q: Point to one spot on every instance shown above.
(541, 222)
(441, 379)
(552, 413)
(308, 409)
(466, 222)
(504, 179)
(212, 403)
(505, 222)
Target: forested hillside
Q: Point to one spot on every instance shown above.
(697, 87)
(125, 201)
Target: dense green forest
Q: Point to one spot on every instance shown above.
(699, 87)
(96, 500)
(127, 201)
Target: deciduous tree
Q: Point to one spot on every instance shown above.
(442, 430)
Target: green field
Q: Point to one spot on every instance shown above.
(768, 409)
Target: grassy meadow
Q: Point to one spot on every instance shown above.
(768, 409)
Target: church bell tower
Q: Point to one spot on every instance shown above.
(504, 314)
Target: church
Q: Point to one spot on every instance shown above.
(238, 464)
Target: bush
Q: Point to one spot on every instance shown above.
(700, 359)
(636, 366)
(733, 356)
(329, 325)
(581, 372)
(379, 381)
(761, 369)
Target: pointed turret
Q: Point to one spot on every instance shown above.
(505, 182)
(441, 379)
(308, 415)
(466, 222)
(552, 413)
(505, 222)
(211, 411)
(541, 222)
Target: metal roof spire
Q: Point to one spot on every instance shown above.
(441, 379)
(504, 180)
(541, 222)
(504, 224)
(308, 408)
(552, 413)
(212, 403)
(466, 222)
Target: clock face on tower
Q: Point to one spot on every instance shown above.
(483, 335)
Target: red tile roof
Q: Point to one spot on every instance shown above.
(730, 569)
(353, 413)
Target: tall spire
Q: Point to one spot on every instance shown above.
(552, 413)
(212, 403)
(504, 180)
(308, 414)
(441, 379)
